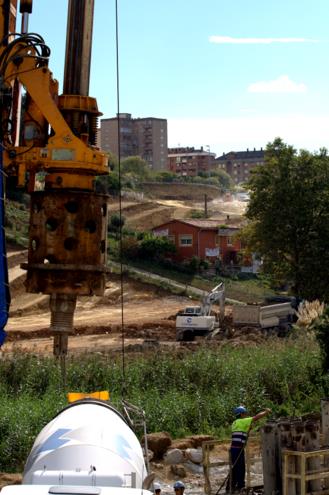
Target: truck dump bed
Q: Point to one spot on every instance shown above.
(263, 316)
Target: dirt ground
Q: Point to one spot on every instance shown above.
(146, 214)
(148, 316)
(148, 312)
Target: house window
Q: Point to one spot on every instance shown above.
(230, 241)
(185, 240)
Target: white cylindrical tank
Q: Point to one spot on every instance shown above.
(87, 443)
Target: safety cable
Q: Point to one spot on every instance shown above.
(123, 384)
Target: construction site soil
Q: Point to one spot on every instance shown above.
(146, 312)
(148, 315)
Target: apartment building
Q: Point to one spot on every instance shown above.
(238, 164)
(145, 137)
(190, 161)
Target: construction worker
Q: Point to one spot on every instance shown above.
(179, 487)
(240, 430)
(156, 488)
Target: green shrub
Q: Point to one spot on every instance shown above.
(321, 328)
(154, 247)
(197, 214)
(181, 392)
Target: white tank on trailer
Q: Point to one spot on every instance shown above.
(88, 443)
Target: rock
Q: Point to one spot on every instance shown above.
(10, 479)
(148, 481)
(178, 470)
(193, 468)
(197, 440)
(182, 444)
(194, 455)
(158, 443)
(150, 343)
(149, 455)
(174, 456)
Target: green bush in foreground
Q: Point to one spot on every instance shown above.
(181, 393)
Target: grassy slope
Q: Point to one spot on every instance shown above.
(250, 291)
(16, 223)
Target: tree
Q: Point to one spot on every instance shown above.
(289, 214)
(135, 166)
(108, 184)
(155, 247)
(164, 176)
(224, 179)
(116, 223)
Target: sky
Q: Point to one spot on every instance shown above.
(226, 74)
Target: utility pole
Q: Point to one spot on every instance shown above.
(206, 206)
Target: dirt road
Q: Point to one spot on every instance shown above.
(148, 313)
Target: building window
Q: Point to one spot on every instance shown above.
(230, 241)
(185, 240)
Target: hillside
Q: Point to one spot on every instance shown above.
(147, 212)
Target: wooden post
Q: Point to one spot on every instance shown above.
(205, 456)
(298, 443)
(302, 482)
(206, 206)
(285, 472)
(312, 442)
(325, 432)
(269, 439)
(285, 442)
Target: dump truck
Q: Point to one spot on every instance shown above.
(277, 317)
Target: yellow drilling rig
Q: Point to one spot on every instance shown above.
(55, 135)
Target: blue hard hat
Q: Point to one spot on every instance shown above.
(240, 410)
(179, 484)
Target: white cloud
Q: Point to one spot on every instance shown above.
(240, 133)
(283, 84)
(258, 41)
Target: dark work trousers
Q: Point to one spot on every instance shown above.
(238, 469)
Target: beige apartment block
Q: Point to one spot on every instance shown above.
(238, 164)
(145, 137)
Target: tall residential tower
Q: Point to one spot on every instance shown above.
(145, 137)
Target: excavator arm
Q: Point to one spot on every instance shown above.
(216, 294)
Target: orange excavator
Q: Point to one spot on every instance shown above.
(54, 136)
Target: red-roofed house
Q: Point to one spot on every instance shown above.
(202, 238)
